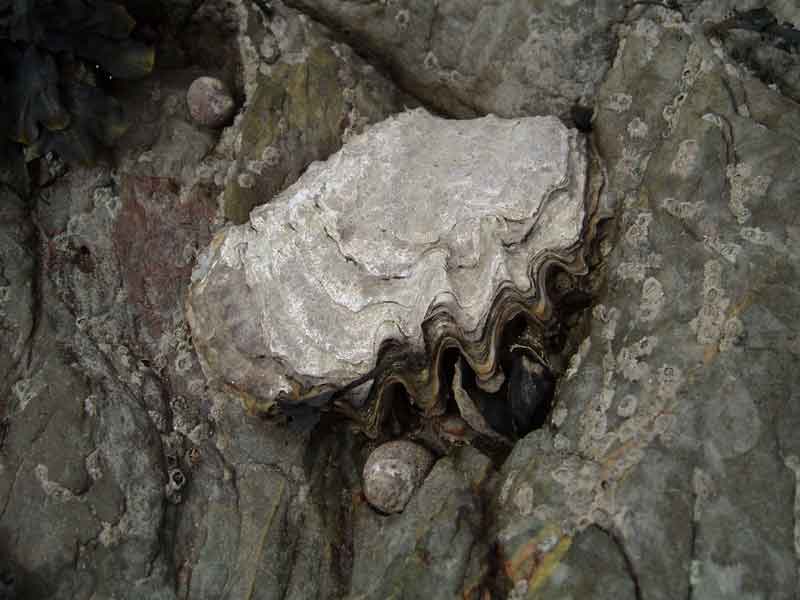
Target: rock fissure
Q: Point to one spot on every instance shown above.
(10, 494)
(364, 51)
(793, 463)
(693, 534)
(629, 565)
(39, 244)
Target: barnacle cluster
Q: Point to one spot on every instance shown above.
(53, 54)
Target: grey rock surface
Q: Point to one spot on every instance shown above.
(672, 419)
(435, 548)
(469, 58)
(16, 281)
(761, 38)
(593, 567)
(670, 464)
(82, 481)
(264, 513)
(785, 11)
(103, 404)
(305, 94)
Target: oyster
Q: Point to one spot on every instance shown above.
(420, 244)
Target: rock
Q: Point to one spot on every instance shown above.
(82, 473)
(476, 466)
(416, 231)
(720, 11)
(529, 510)
(434, 549)
(96, 283)
(17, 273)
(765, 40)
(85, 498)
(667, 401)
(167, 143)
(253, 518)
(594, 567)
(210, 102)
(469, 58)
(393, 472)
(305, 95)
(8, 586)
(672, 427)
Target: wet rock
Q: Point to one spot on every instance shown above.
(88, 467)
(167, 143)
(82, 481)
(666, 401)
(393, 472)
(433, 549)
(762, 39)
(530, 512)
(210, 102)
(593, 566)
(672, 427)
(82, 473)
(773, 64)
(266, 509)
(756, 14)
(17, 276)
(467, 58)
(305, 95)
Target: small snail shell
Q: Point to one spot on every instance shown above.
(393, 472)
(210, 102)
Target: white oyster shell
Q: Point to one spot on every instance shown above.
(420, 234)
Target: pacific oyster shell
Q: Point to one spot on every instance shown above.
(421, 235)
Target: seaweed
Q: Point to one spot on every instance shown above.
(49, 51)
(764, 22)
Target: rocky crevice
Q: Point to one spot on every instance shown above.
(681, 256)
(629, 564)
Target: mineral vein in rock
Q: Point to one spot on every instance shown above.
(417, 219)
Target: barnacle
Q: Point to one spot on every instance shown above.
(410, 276)
(46, 103)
